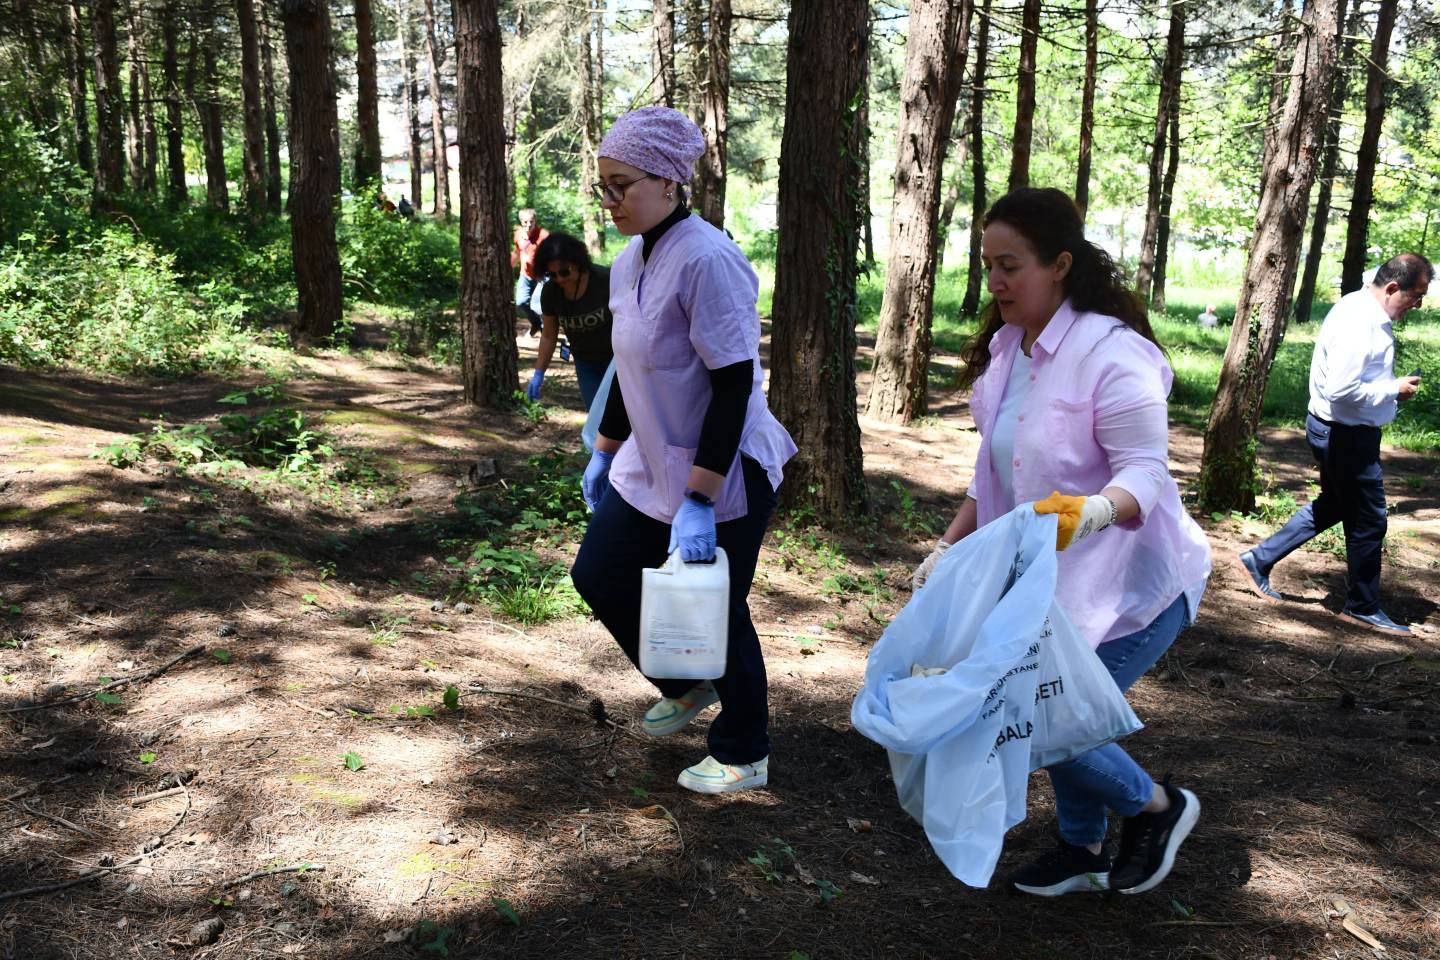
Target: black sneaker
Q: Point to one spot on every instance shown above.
(1148, 842)
(1065, 869)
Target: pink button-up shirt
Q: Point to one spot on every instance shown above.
(1096, 417)
(689, 310)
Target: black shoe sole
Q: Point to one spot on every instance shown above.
(1178, 833)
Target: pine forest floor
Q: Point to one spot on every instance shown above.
(519, 826)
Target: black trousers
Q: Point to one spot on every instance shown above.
(621, 541)
(1352, 493)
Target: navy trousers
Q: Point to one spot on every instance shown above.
(621, 541)
(1352, 493)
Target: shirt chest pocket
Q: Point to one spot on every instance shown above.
(1068, 432)
(666, 334)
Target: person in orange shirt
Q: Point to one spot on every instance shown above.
(528, 237)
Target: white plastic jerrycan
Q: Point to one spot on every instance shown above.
(685, 619)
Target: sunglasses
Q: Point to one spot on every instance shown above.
(562, 274)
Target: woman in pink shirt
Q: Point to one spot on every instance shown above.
(1069, 394)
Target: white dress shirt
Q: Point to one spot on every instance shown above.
(1352, 372)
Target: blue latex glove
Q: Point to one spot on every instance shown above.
(597, 478)
(533, 390)
(693, 532)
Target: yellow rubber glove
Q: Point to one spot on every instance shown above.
(1079, 516)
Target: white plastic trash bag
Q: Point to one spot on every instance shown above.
(1004, 684)
(591, 430)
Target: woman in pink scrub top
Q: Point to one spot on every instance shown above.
(1069, 394)
(688, 456)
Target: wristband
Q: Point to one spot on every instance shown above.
(699, 498)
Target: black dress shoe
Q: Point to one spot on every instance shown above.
(1257, 581)
(1375, 621)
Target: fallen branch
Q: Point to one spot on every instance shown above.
(53, 819)
(327, 714)
(573, 708)
(261, 874)
(147, 797)
(147, 675)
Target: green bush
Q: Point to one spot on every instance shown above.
(112, 303)
(394, 260)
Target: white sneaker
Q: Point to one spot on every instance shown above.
(712, 776)
(669, 715)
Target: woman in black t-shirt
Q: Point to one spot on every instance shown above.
(577, 300)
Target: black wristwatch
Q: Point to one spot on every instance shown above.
(699, 498)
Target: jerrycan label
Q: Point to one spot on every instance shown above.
(683, 632)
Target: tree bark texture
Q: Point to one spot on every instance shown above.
(76, 73)
(1227, 470)
(662, 25)
(109, 102)
(716, 106)
(812, 387)
(697, 64)
(1362, 191)
(412, 98)
(212, 131)
(1087, 108)
(937, 40)
(974, 275)
(1284, 43)
(1167, 197)
(590, 134)
(252, 113)
(441, 162)
(1170, 73)
(367, 98)
(177, 192)
(1320, 222)
(1025, 96)
(134, 122)
(314, 167)
(273, 185)
(487, 308)
(43, 108)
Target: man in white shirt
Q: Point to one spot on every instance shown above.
(1353, 393)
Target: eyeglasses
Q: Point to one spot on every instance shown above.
(615, 192)
(562, 274)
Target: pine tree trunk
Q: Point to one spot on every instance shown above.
(1025, 96)
(1228, 468)
(43, 108)
(937, 40)
(697, 67)
(273, 185)
(978, 205)
(1284, 42)
(1167, 196)
(1087, 108)
(212, 130)
(252, 113)
(76, 70)
(1305, 298)
(367, 98)
(1352, 268)
(438, 145)
(812, 385)
(867, 219)
(1170, 74)
(177, 193)
(716, 106)
(314, 167)
(134, 119)
(109, 101)
(589, 138)
(957, 160)
(487, 310)
(662, 24)
(412, 98)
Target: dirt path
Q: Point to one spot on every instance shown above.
(1312, 744)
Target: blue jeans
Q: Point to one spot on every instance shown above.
(527, 299)
(589, 374)
(1106, 777)
(1352, 493)
(621, 541)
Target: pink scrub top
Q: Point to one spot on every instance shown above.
(689, 310)
(1095, 416)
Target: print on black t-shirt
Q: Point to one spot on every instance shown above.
(586, 321)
